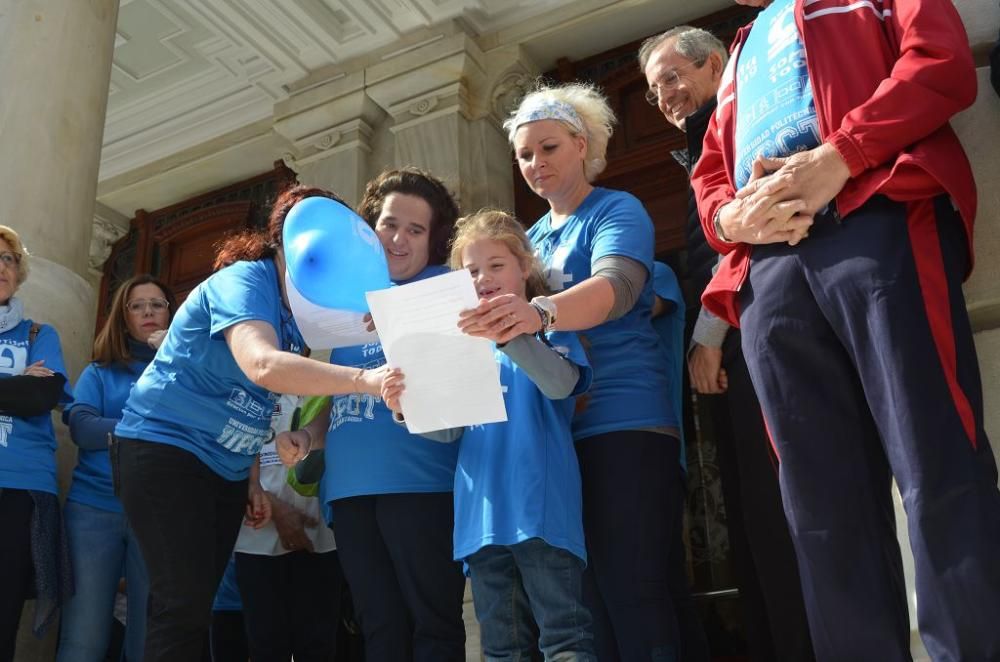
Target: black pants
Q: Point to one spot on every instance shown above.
(291, 605)
(767, 570)
(396, 551)
(228, 637)
(635, 583)
(16, 571)
(186, 518)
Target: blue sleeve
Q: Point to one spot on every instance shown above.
(46, 347)
(665, 285)
(622, 227)
(88, 429)
(241, 292)
(89, 390)
(568, 344)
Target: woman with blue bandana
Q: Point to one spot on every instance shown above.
(596, 245)
(197, 418)
(33, 556)
(101, 542)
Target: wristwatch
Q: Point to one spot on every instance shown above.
(546, 308)
(717, 225)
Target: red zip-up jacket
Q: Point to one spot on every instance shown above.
(887, 76)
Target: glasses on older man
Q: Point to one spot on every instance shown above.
(141, 305)
(667, 82)
(10, 259)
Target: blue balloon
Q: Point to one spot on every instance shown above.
(332, 256)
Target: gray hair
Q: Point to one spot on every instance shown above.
(691, 43)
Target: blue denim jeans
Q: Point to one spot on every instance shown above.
(518, 586)
(102, 548)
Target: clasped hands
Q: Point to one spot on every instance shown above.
(784, 194)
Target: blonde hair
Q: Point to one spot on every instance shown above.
(594, 111)
(497, 225)
(11, 237)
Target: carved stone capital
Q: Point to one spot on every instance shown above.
(109, 226)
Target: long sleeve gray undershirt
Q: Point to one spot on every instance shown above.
(553, 374)
(709, 330)
(627, 278)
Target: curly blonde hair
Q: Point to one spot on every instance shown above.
(498, 225)
(594, 111)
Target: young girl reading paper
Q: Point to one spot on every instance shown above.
(518, 522)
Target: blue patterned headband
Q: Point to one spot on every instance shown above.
(539, 107)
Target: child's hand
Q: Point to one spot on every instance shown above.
(292, 446)
(258, 506)
(392, 389)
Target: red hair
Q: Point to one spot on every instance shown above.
(251, 245)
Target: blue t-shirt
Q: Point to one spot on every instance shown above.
(193, 395)
(520, 479)
(670, 328)
(630, 389)
(775, 113)
(28, 445)
(227, 596)
(104, 389)
(368, 453)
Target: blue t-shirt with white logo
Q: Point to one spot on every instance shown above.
(367, 452)
(775, 113)
(28, 444)
(670, 328)
(630, 389)
(193, 395)
(104, 389)
(520, 479)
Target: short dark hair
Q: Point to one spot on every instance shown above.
(421, 184)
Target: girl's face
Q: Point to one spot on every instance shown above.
(146, 311)
(550, 158)
(404, 227)
(495, 270)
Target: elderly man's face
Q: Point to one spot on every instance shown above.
(679, 85)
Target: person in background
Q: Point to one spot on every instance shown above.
(228, 634)
(34, 559)
(596, 246)
(390, 492)
(844, 203)
(195, 421)
(101, 542)
(683, 68)
(288, 573)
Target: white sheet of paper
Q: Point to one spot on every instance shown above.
(326, 328)
(452, 379)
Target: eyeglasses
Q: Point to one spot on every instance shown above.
(667, 82)
(140, 305)
(10, 258)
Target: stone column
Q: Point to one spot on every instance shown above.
(440, 98)
(330, 128)
(55, 67)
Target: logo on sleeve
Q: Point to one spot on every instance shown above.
(13, 359)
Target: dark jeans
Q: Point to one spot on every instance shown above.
(516, 586)
(16, 570)
(396, 551)
(635, 583)
(861, 352)
(186, 519)
(291, 605)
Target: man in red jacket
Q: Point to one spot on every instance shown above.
(843, 203)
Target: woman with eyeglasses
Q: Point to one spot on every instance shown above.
(101, 542)
(34, 561)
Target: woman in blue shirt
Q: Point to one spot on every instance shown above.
(596, 246)
(33, 557)
(196, 419)
(390, 492)
(101, 542)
